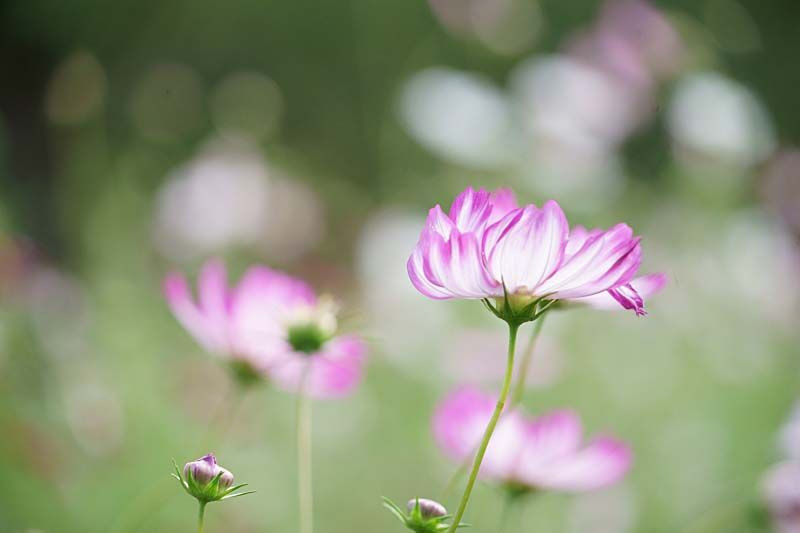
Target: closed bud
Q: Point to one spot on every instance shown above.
(205, 469)
(205, 480)
(421, 516)
(427, 508)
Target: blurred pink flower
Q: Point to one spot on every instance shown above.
(271, 325)
(486, 243)
(525, 453)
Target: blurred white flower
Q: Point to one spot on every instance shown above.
(720, 118)
(227, 196)
(576, 104)
(216, 200)
(460, 116)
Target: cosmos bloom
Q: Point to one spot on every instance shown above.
(543, 453)
(486, 247)
(269, 325)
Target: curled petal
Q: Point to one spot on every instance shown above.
(628, 298)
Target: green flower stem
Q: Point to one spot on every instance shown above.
(304, 485)
(201, 517)
(487, 435)
(527, 357)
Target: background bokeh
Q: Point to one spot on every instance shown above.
(138, 137)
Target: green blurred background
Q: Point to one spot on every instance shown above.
(138, 137)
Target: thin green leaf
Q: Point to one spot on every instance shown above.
(230, 496)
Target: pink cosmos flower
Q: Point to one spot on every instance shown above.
(487, 246)
(269, 325)
(525, 453)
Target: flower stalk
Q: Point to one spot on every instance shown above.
(513, 328)
(201, 517)
(304, 457)
(524, 367)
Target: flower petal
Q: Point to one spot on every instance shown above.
(210, 334)
(603, 462)
(459, 423)
(547, 439)
(417, 274)
(644, 286)
(503, 202)
(457, 266)
(604, 261)
(628, 298)
(527, 246)
(212, 290)
(470, 210)
(460, 420)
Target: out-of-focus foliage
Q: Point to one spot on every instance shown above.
(136, 137)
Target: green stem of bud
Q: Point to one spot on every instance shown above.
(201, 517)
(487, 435)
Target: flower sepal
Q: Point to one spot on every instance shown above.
(517, 309)
(200, 484)
(422, 515)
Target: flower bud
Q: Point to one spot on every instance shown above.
(427, 508)
(422, 516)
(205, 480)
(205, 469)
